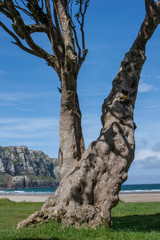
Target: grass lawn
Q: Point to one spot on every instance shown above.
(132, 221)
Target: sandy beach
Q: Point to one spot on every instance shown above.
(125, 197)
(25, 197)
(140, 197)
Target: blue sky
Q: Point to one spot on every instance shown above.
(30, 101)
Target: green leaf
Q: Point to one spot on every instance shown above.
(77, 2)
(77, 15)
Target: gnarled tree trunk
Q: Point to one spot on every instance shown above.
(91, 179)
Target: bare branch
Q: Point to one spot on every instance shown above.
(24, 33)
(18, 42)
(82, 25)
(6, 13)
(82, 30)
(85, 52)
(24, 3)
(37, 12)
(82, 12)
(152, 8)
(77, 42)
(60, 41)
(32, 28)
(56, 20)
(4, 10)
(52, 30)
(24, 10)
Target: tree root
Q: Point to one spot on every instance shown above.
(79, 216)
(37, 217)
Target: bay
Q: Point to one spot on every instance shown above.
(126, 188)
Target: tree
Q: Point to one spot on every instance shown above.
(90, 179)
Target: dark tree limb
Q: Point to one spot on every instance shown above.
(56, 20)
(24, 33)
(81, 15)
(77, 42)
(82, 22)
(4, 11)
(37, 12)
(18, 42)
(33, 28)
(24, 9)
(53, 33)
(155, 7)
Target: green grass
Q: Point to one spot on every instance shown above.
(132, 221)
(4, 178)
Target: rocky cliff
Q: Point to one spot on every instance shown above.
(23, 168)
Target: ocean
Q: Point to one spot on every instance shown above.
(126, 188)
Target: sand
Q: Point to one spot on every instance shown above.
(140, 197)
(126, 197)
(26, 198)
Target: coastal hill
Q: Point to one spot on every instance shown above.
(23, 168)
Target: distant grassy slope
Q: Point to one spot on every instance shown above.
(132, 221)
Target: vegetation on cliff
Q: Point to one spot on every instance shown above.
(24, 168)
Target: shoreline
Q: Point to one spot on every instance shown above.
(141, 192)
(123, 196)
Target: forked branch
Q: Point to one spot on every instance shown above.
(80, 16)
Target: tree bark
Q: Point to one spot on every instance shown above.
(91, 181)
(70, 131)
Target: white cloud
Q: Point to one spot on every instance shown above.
(17, 96)
(145, 87)
(153, 106)
(26, 109)
(148, 153)
(27, 124)
(156, 147)
(6, 104)
(2, 72)
(39, 133)
(11, 97)
(149, 158)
